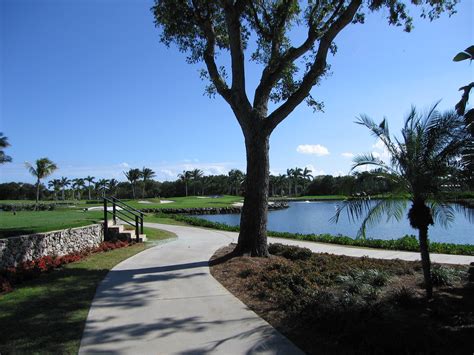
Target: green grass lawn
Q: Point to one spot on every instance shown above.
(185, 202)
(48, 314)
(27, 222)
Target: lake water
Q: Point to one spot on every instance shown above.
(313, 217)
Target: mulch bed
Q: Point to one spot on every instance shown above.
(330, 304)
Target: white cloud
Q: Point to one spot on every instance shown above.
(348, 155)
(338, 173)
(124, 165)
(315, 149)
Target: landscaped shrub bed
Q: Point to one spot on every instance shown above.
(329, 304)
(406, 243)
(32, 269)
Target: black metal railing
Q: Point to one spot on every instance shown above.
(125, 213)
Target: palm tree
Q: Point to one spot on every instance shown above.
(289, 174)
(146, 174)
(133, 175)
(90, 180)
(101, 186)
(55, 184)
(112, 186)
(196, 176)
(236, 179)
(65, 182)
(421, 165)
(4, 144)
(306, 175)
(297, 175)
(80, 185)
(185, 176)
(43, 167)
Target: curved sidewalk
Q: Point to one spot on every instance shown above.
(164, 300)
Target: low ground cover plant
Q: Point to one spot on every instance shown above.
(338, 304)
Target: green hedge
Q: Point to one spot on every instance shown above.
(406, 243)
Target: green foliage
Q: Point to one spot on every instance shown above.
(444, 275)
(468, 53)
(407, 243)
(289, 251)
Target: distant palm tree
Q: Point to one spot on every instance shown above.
(90, 180)
(297, 175)
(236, 179)
(102, 186)
(146, 174)
(420, 167)
(55, 184)
(306, 175)
(133, 175)
(185, 176)
(4, 144)
(289, 176)
(196, 176)
(65, 182)
(43, 167)
(80, 185)
(113, 186)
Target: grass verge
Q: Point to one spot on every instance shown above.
(48, 314)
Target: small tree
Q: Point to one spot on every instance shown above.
(204, 29)
(43, 167)
(65, 182)
(4, 144)
(196, 176)
(55, 184)
(421, 164)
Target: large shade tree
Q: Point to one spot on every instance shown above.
(422, 162)
(204, 29)
(42, 168)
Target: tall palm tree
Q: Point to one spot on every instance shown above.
(196, 176)
(113, 183)
(55, 184)
(102, 186)
(65, 182)
(133, 175)
(289, 176)
(306, 175)
(80, 184)
(90, 181)
(146, 174)
(185, 176)
(4, 144)
(43, 167)
(236, 179)
(421, 164)
(297, 175)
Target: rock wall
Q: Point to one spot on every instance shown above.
(23, 248)
(209, 210)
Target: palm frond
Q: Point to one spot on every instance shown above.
(442, 213)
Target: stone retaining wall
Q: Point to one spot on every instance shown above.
(23, 248)
(209, 210)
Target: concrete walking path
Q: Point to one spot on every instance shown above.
(165, 301)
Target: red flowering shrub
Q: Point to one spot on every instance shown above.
(33, 268)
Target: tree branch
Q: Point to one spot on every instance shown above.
(317, 68)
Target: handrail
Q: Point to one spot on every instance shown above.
(135, 215)
(128, 206)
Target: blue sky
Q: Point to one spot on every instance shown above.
(88, 84)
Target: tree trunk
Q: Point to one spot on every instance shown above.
(37, 193)
(144, 189)
(425, 260)
(89, 192)
(253, 225)
(186, 187)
